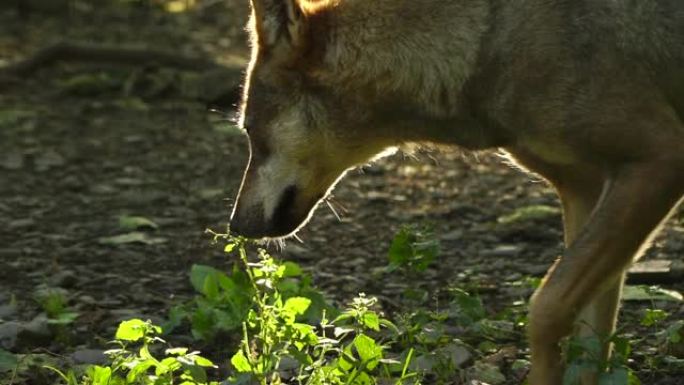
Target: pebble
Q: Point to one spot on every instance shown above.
(63, 278)
(7, 311)
(89, 356)
(503, 251)
(486, 373)
(21, 335)
(8, 334)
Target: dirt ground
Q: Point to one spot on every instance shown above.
(83, 144)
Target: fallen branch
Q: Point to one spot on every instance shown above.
(82, 52)
(215, 83)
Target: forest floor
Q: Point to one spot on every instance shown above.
(82, 145)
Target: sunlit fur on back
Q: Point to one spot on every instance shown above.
(589, 94)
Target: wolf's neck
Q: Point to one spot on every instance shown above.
(420, 51)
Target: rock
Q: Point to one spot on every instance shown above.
(503, 251)
(535, 270)
(454, 355)
(18, 335)
(520, 368)
(13, 161)
(87, 300)
(7, 311)
(9, 254)
(453, 235)
(296, 252)
(36, 333)
(458, 354)
(9, 331)
(63, 278)
(21, 224)
(498, 329)
(486, 373)
(89, 356)
(49, 159)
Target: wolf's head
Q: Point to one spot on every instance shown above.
(303, 132)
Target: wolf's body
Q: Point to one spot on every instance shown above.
(587, 93)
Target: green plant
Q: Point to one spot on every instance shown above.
(134, 364)
(413, 248)
(54, 303)
(584, 353)
(223, 301)
(274, 331)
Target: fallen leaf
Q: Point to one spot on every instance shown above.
(132, 237)
(127, 222)
(646, 293)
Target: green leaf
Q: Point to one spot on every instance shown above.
(130, 223)
(229, 247)
(619, 376)
(8, 361)
(64, 318)
(99, 375)
(167, 365)
(297, 305)
(653, 293)
(131, 330)
(176, 316)
(198, 278)
(369, 352)
(240, 362)
(467, 308)
(413, 247)
(201, 361)
(291, 270)
(140, 368)
(633, 379)
(175, 351)
(371, 321)
(363, 379)
(653, 316)
(400, 249)
(203, 322)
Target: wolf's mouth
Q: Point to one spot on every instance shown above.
(285, 218)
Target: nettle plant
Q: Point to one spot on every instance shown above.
(279, 347)
(223, 301)
(133, 361)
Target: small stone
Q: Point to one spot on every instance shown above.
(454, 235)
(49, 159)
(8, 335)
(7, 311)
(486, 373)
(296, 252)
(13, 161)
(63, 278)
(535, 270)
(503, 251)
(87, 300)
(37, 332)
(89, 356)
(9, 254)
(20, 224)
(458, 354)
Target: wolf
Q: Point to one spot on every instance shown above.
(588, 94)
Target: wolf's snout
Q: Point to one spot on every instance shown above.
(251, 220)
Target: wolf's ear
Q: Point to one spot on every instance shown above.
(276, 20)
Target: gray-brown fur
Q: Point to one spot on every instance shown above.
(587, 93)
